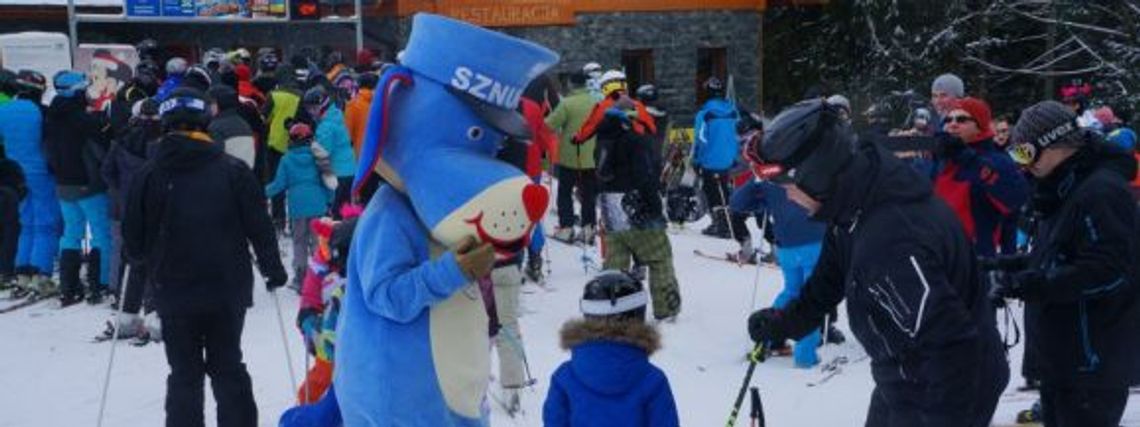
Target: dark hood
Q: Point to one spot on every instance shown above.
(873, 177)
(180, 151)
(63, 106)
(610, 357)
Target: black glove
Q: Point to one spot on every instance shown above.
(767, 325)
(948, 146)
(276, 280)
(1022, 285)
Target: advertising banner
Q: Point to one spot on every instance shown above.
(205, 8)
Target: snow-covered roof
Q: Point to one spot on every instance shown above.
(101, 3)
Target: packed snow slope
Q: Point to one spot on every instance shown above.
(52, 374)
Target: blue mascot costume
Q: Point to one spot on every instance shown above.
(413, 347)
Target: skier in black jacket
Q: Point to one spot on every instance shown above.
(192, 214)
(901, 259)
(13, 188)
(1078, 281)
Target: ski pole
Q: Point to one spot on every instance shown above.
(756, 356)
(123, 283)
(724, 208)
(284, 340)
(756, 278)
(757, 409)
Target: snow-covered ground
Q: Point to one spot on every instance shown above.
(52, 375)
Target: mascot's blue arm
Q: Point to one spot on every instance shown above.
(397, 278)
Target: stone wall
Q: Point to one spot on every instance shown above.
(674, 38)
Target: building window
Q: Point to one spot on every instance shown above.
(638, 65)
(711, 61)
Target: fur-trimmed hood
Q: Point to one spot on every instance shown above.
(608, 357)
(636, 334)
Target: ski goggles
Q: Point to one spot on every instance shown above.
(764, 171)
(1022, 153)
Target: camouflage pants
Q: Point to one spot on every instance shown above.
(651, 248)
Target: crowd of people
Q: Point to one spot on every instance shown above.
(924, 245)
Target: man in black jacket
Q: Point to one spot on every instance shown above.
(13, 188)
(191, 215)
(1078, 281)
(901, 259)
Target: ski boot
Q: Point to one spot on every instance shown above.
(717, 229)
(95, 289)
(508, 399)
(746, 254)
(533, 269)
(564, 235)
(1031, 415)
(835, 336)
(71, 290)
(588, 234)
(129, 326)
(8, 282)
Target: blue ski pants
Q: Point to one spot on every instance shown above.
(78, 215)
(40, 221)
(797, 263)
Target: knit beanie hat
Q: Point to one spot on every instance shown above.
(950, 84)
(980, 111)
(1041, 126)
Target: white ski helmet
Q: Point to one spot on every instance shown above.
(592, 69)
(611, 81)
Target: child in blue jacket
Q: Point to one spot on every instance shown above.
(307, 197)
(608, 380)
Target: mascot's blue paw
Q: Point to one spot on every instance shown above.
(324, 413)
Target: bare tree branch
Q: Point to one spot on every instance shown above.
(1088, 27)
(1030, 72)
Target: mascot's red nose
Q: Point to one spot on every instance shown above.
(535, 199)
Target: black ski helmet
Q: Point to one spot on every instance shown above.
(30, 84)
(7, 81)
(647, 93)
(186, 108)
(614, 294)
(808, 144)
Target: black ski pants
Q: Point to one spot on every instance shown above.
(9, 230)
(277, 206)
(207, 344)
(966, 397)
(1068, 406)
(717, 186)
(586, 182)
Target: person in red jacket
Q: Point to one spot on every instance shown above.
(979, 181)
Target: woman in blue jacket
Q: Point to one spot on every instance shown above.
(609, 380)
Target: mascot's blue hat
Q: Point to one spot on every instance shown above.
(488, 70)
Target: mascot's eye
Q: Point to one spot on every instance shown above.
(474, 133)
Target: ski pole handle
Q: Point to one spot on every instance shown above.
(757, 355)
